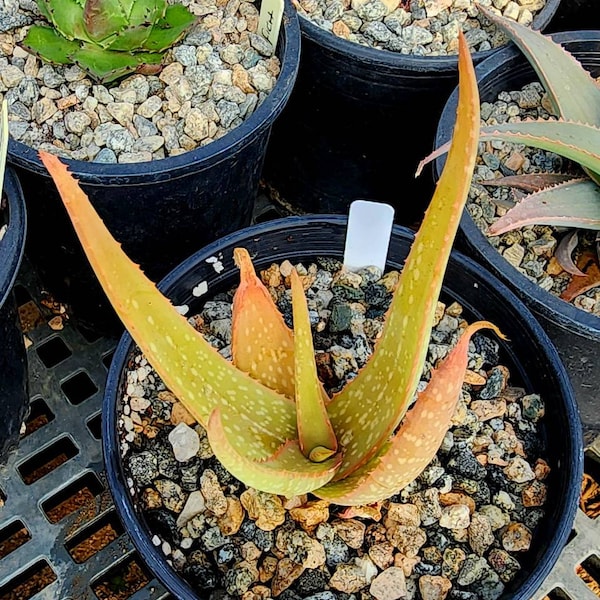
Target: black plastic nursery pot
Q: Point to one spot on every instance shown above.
(529, 354)
(576, 333)
(14, 399)
(358, 122)
(573, 15)
(161, 210)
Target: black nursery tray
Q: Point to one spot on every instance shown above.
(60, 536)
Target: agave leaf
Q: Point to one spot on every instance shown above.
(103, 18)
(528, 182)
(368, 409)
(67, 18)
(49, 45)
(109, 65)
(564, 253)
(575, 203)
(262, 344)
(170, 29)
(316, 436)
(418, 438)
(142, 17)
(194, 371)
(287, 472)
(572, 90)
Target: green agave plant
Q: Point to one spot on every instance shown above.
(108, 38)
(552, 198)
(269, 420)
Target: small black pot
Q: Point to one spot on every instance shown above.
(14, 398)
(576, 333)
(358, 122)
(161, 210)
(529, 354)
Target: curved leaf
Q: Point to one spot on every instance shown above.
(287, 472)
(575, 203)
(262, 345)
(194, 371)
(572, 90)
(49, 45)
(368, 409)
(576, 141)
(564, 253)
(418, 438)
(316, 436)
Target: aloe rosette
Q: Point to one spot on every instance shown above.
(108, 38)
(268, 419)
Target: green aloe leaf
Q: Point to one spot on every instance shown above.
(142, 17)
(67, 18)
(195, 372)
(108, 65)
(104, 18)
(575, 203)
(316, 436)
(573, 92)
(169, 30)
(368, 409)
(418, 438)
(50, 45)
(287, 472)
(578, 142)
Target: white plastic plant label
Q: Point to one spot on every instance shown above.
(269, 21)
(368, 234)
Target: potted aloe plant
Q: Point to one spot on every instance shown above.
(369, 70)
(162, 111)
(270, 480)
(14, 398)
(556, 203)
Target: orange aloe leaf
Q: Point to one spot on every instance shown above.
(286, 472)
(316, 436)
(366, 412)
(194, 371)
(588, 265)
(262, 345)
(418, 438)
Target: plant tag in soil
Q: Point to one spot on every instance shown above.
(269, 21)
(368, 234)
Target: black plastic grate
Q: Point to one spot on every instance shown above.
(57, 506)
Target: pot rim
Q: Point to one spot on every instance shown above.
(381, 57)
(12, 244)
(93, 173)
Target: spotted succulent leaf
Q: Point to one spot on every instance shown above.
(195, 372)
(368, 409)
(418, 438)
(262, 345)
(315, 433)
(287, 472)
(575, 203)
